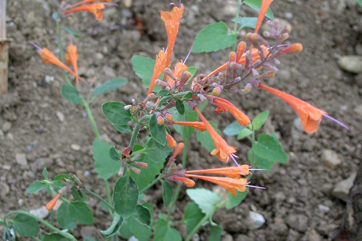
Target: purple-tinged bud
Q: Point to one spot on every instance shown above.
(272, 68)
(238, 79)
(141, 164)
(120, 172)
(160, 120)
(266, 75)
(260, 39)
(217, 90)
(283, 37)
(267, 34)
(168, 71)
(135, 170)
(287, 29)
(248, 87)
(169, 117)
(270, 23)
(149, 97)
(248, 59)
(185, 76)
(276, 61)
(228, 70)
(136, 157)
(161, 83)
(255, 72)
(127, 107)
(202, 97)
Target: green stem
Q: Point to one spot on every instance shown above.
(236, 20)
(51, 227)
(178, 189)
(107, 192)
(52, 217)
(151, 184)
(90, 116)
(61, 50)
(134, 135)
(100, 198)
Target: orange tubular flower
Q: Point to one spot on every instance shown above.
(161, 60)
(71, 59)
(263, 9)
(195, 124)
(172, 22)
(228, 183)
(233, 172)
(179, 68)
(188, 182)
(89, 1)
(223, 151)
(170, 141)
(224, 105)
(52, 203)
(310, 115)
(95, 8)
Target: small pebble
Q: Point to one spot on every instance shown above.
(352, 64)
(323, 208)
(60, 116)
(330, 159)
(75, 147)
(313, 235)
(21, 159)
(341, 189)
(288, 15)
(40, 212)
(4, 189)
(6, 126)
(297, 221)
(6, 167)
(255, 220)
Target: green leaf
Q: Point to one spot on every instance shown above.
(35, 187)
(80, 212)
(105, 166)
(142, 215)
(246, 22)
(212, 38)
(234, 201)
(255, 4)
(192, 70)
(63, 217)
(89, 239)
(192, 216)
(163, 232)
(206, 199)
(244, 133)
(205, 138)
(125, 196)
(259, 120)
(167, 193)
(155, 160)
(162, 93)
(133, 227)
(113, 153)
(359, 2)
(143, 67)
(115, 113)
(187, 96)
(180, 107)
(78, 195)
(53, 237)
(260, 162)
(189, 115)
(58, 180)
(125, 230)
(233, 129)
(122, 128)
(115, 226)
(215, 234)
(70, 93)
(158, 132)
(72, 32)
(109, 86)
(45, 173)
(269, 148)
(25, 225)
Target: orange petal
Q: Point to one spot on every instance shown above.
(195, 124)
(170, 141)
(188, 182)
(263, 9)
(49, 57)
(233, 172)
(161, 60)
(94, 8)
(226, 105)
(52, 203)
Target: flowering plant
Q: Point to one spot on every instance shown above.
(175, 99)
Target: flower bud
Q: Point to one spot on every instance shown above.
(247, 88)
(294, 48)
(136, 157)
(127, 107)
(161, 83)
(178, 149)
(133, 109)
(168, 71)
(287, 29)
(232, 57)
(185, 76)
(217, 90)
(266, 34)
(149, 97)
(283, 37)
(135, 170)
(133, 102)
(170, 141)
(120, 172)
(141, 164)
(240, 50)
(160, 120)
(267, 75)
(202, 97)
(248, 59)
(169, 117)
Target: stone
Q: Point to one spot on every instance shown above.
(352, 64)
(298, 124)
(75, 147)
(358, 110)
(228, 237)
(323, 208)
(109, 72)
(293, 235)
(21, 159)
(60, 116)
(6, 126)
(42, 163)
(255, 220)
(282, 24)
(40, 212)
(313, 235)
(88, 231)
(288, 15)
(330, 159)
(105, 137)
(341, 189)
(297, 221)
(279, 227)
(243, 237)
(4, 189)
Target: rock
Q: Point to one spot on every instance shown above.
(127, 3)
(40, 212)
(41, 163)
(282, 24)
(21, 159)
(75, 147)
(352, 64)
(327, 188)
(298, 124)
(288, 15)
(4, 189)
(60, 116)
(105, 137)
(255, 220)
(279, 227)
(88, 231)
(358, 110)
(228, 237)
(341, 189)
(313, 235)
(279, 196)
(323, 208)
(109, 72)
(6, 126)
(292, 235)
(1, 134)
(330, 159)
(230, 9)
(243, 237)
(297, 221)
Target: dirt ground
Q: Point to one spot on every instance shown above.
(44, 126)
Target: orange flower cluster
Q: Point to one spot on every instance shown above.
(95, 8)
